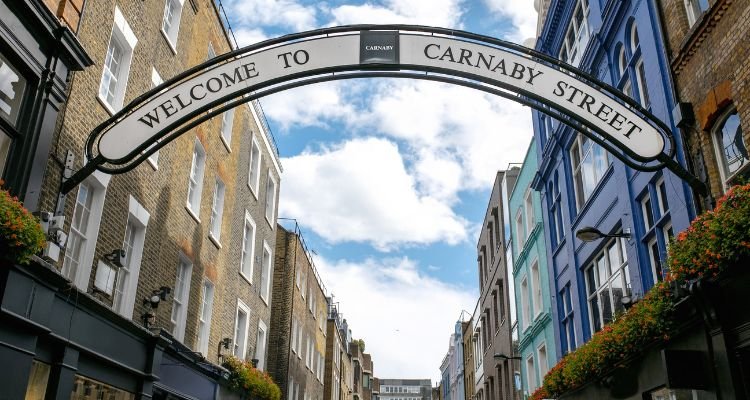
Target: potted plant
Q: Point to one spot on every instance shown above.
(249, 381)
(21, 236)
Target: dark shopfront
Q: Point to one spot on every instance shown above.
(59, 343)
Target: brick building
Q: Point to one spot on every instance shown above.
(405, 389)
(361, 372)
(337, 384)
(468, 361)
(299, 315)
(496, 318)
(193, 228)
(708, 43)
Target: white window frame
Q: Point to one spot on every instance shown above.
(661, 197)
(294, 335)
(654, 258)
(520, 229)
(204, 318)
(261, 345)
(525, 306)
(604, 285)
(265, 274)
(171, 33)
(227, 123)
(529, 209)
(694, 11)
(717, 138)
(124, 38)
(622, 62)
(96, 185)
(531, 372)
(195, 180)
(139, 217)
(156, 80)
(581, 36)
(577, 151)
(217, 212)
(241, 306)
(248, 254)
(667, 235)
(640, 80)
(271, 188)
(253, 175)
(536, 288)
(543, 363)
(182, 299)
(647, 208)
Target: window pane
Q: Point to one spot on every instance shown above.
(606, 304)
(733, 144)
(596, 323)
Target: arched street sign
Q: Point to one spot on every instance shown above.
(506, 69)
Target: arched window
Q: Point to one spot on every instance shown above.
(634, 40)
(622, 61)
(731, 150)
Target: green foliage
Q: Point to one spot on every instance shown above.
(361, 344)
(715, 241)
(250, 381)
(21, 236)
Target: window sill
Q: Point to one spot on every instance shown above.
(271, 224)
(265, 299)
(248, 280)
(192, 213)
(169, 41)
(214, 241)
(110, 109)
(226, 144)
(253, 190)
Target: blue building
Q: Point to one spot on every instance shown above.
(619, 42)
(536, 341)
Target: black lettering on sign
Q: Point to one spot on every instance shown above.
(299, 57)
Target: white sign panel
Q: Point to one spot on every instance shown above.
(525, 73)
(522, 74)
(206, 88)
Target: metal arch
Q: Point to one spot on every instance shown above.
(165, 135)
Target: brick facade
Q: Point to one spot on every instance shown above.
(161, 189)
(299, 314)
(711, 73)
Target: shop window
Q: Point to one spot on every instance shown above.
(12, 92)
(116, 68)
(730, 146)
(181, 296)
(170, 25)
(85, 388)
(38, 378)
(671, 394)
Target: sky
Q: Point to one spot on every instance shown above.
(389, 179)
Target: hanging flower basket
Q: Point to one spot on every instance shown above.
(251, 382)
(21, 236)
(716, 241)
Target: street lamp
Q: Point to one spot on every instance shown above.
(589, 234)
(504, 357)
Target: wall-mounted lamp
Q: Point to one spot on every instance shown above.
(504, 357)
(589, 234)
(116, 258)
(153, 301)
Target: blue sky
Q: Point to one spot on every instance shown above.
(389, 179)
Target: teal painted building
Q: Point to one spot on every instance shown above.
(536, 340)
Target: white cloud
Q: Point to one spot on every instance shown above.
(443, 13)
(285, 13)
(360, 191)
(521, 14)
(405, 317)
(246, 37)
